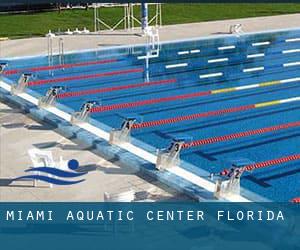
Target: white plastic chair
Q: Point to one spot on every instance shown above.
(40, 158)
(50, 34)
(236, 29)
(128, 196)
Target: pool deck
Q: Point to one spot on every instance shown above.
(106, 176)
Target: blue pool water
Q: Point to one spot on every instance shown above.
(237, 61)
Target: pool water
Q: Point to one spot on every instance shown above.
(193, 77)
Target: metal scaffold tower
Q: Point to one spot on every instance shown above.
(129, 20)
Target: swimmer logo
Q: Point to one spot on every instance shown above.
(55, 172)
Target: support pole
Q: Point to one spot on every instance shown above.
(144, 16)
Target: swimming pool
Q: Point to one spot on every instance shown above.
(233, 98)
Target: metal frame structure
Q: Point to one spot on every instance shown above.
(50, 53)
(129, 20)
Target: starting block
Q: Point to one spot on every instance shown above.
(3, 65)
(225, 188)
(170, 157)
(50, 97)
(231, 185)
(84, 113)
(22, 84)
(122, 135)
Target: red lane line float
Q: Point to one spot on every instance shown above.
(191, 117)
(240, 134)
(296, 200)
(81, 77)
(110, 89)
(148, 102)
(65, 66)
(265, 164)
(271, 162)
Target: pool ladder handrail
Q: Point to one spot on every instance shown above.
(153, 40)
(50, 50)
(61, 51)
(153, 47)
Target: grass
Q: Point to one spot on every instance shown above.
(38, 24)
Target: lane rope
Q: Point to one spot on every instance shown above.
(268, 163)
(160, 122)
(263, 164)
(111, 89)
(296, 200)
(65, 66)
(80, 77)
(188, 96)
(240, 135)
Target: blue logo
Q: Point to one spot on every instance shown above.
(62, 174)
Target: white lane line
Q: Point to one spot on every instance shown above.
(226, 47)
(195, 51)
(291, 64)
(183, 52)
(290, 80)
(247, 87)
(253, 69)
(290, 100)
(211, 75)
(256, 55)
(290, 51)
(218, 60)
(147, 56)
(261, 43)
(178, 65)
(292, 40)
(186, 52)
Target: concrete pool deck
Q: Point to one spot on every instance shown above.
(108, 177)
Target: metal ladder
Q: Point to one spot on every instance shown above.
(50, 53)
(153, 47)
(61, 52)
